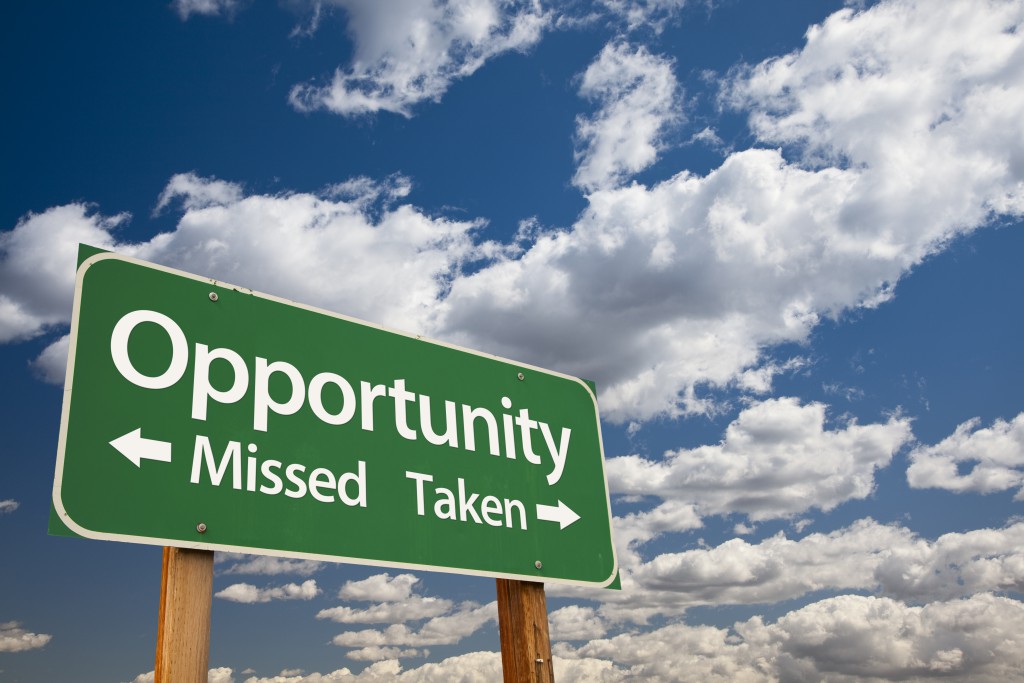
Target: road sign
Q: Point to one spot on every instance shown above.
(202, 415)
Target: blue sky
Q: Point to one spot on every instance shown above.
(783, 238)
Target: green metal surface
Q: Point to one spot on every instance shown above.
(400, 490)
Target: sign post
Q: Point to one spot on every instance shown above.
(523, 628)
(183, 629)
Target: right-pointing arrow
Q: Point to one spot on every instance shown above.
(561, 513)
(137, 448)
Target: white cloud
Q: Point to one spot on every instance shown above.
(995, 455)
(449, 629)
(37, 266)
(645, 14)
(13, 638)
(376, 654)
(474, 667)
(575, 623)
(637, 93)
(198, 193)
(380, 588)
(396, 604)
(970, 640)
(843, 639)
(656, 292)
(905, 87)
(51, 365)
(660, 294)
(272, 566)
(413, 608)
(221, 674)
(777, 459)
(291, 245)
(408, 51)
(208, 8)
(888, 560)
(248, 593)
(9, 505)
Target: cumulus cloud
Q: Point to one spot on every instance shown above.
(380, 588)
(9, 505)
(376, 654)
(268, 566)
(51, 365)
(474, 667)
(465, 620)
(396, 604)
(248, 593)
(883, 559)
(575, 623)
(846, 638)
(777, 459)
(637, 95)
(222, 674)
(973, 459)
(37, 266)
(292, 245)
(13, 638)
(644, 14)
(199, 193)
(901, 129)
(207, 8)
(408, 51)
(661, 294)
(413, 608)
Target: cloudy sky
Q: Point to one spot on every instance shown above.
(782, 238)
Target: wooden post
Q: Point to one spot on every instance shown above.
(183, 632)
(523, 627)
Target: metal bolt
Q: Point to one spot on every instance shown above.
(213, 296)
(521, 376)
(538, 564)
(201, 528)
(540, 660)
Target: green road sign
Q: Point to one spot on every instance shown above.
(202, 415)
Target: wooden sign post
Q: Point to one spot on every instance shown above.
(183, 632)
(523, 628)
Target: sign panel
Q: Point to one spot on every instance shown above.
(202, 415)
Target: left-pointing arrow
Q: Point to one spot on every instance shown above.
(136, 448)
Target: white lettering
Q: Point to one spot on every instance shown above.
(201, 387)
(451, 434)
(525, 426)
(119, 350)
(401, 396)
(293, 472)
(262, 400)
(203, 453)
(420, 478)
(318, 479)
(557, 454)
(316, 398)
(469, 416)
(359, 479)
(367, 394)
(490, 506)
(267, 469)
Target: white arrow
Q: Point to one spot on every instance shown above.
(562, 514)
(134, 447)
